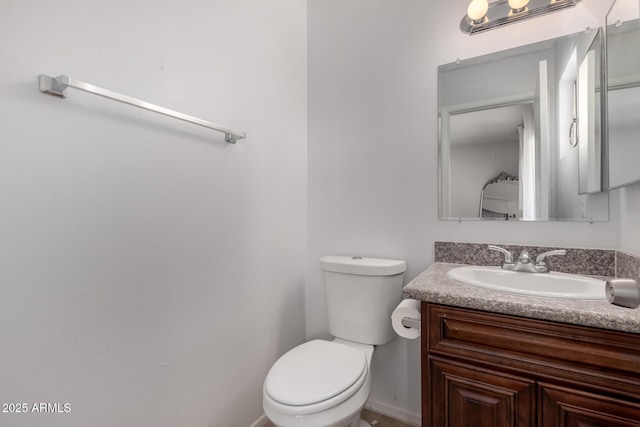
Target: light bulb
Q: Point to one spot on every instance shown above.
(518, 5)
(477, 9)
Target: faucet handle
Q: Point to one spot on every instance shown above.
(540, 258)
(508, 256)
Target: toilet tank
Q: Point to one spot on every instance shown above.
(361, 295)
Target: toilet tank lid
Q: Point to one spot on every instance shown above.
(362, 266)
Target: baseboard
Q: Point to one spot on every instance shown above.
(398, 414)
(260, 422)
(381, 408)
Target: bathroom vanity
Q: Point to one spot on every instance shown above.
(490, 358)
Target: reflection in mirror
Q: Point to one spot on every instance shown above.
(589, 113)
(490, 157)
(506, 121)
(623, 92)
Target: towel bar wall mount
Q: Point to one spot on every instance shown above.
(57, 86)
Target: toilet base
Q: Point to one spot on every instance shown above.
(357, 422)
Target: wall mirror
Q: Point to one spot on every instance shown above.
(508, 133)
(623, 92)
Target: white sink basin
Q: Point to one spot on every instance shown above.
(555, 285)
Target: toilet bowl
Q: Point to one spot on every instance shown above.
(319, 384)
(327, 383)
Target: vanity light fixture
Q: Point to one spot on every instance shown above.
(482, 16)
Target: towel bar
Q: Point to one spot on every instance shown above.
(57, 86)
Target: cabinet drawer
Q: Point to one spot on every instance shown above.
(530, 344)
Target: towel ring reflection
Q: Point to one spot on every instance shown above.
(573, 132)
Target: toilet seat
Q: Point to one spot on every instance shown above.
(315, 376)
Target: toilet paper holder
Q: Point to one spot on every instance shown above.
(408, 322)
(623, 292)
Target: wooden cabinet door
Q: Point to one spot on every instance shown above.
(564, 407)
(467, 396)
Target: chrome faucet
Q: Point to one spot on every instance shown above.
(524, 262)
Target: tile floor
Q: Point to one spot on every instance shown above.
(376, 420)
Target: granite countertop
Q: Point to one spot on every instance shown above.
(433, 285)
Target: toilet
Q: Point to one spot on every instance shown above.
(326, 383)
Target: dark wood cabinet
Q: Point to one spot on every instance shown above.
(484, 369)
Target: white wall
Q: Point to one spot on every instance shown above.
(472, 166)
(150, 273)
(630, 218)
(373, 148)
